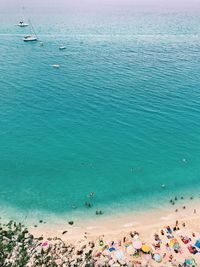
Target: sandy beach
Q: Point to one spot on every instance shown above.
(147, 224)
(164, 237)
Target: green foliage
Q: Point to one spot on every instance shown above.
(16, 245)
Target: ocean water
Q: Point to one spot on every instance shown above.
(119, 118)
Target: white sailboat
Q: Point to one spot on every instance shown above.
(31, 37)
(62, 47)
(56, 66)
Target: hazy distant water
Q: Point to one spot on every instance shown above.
(120, 117)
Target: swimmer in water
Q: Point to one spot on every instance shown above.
(91, 194)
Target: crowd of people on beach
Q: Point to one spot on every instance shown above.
(173, 245)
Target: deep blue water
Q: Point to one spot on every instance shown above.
(120, 117)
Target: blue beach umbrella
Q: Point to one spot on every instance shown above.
(197, 244)
(119, 254)
(157, 257)
(112, 249)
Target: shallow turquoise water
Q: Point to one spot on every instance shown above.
(120, 117)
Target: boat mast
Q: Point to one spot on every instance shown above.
(23, 19)
(33, 28)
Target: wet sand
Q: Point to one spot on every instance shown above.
(120, 227)
(144, 222)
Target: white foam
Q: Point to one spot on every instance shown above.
(167, 218)
(91, 227)
(130, 224)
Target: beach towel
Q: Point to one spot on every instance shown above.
(192, 249)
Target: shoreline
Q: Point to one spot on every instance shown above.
(119, 228)
(86, 214)
(109, 241)
(125, 222)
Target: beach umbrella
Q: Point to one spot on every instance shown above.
(157, 257)
(137, 244)
(146, 249)
(176, 246)
(130, 250)
(197, 244)
(187, 261)
(119, 254)
(147, 257)
(190, 262)
(111, 249)
(128, 244)
(173, 242)
(45, 245)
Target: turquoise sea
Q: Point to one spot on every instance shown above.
(119, 118)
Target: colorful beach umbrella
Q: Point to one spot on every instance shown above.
(128, 243)
(173, 243)
(137, 244)
(146, 249)
(147, 257)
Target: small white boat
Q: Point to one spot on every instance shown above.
(31, 37)
(56, 66)
(62, 47)
(22, 24)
